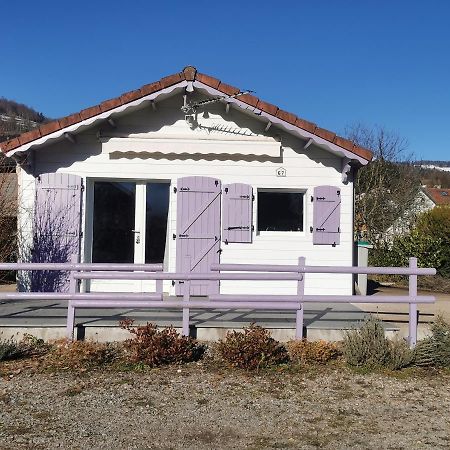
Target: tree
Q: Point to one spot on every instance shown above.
(8, 209)
(386, 190)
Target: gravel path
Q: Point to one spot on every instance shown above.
(194, 407)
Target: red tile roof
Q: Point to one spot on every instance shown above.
(439, 196)
(189, 74)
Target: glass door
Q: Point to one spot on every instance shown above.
(129, 222)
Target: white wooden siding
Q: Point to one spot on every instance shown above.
(91, 159)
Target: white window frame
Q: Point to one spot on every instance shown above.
(281, 190)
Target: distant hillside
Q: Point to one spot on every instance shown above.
(434, 177)
(429, 163)
(16, 118)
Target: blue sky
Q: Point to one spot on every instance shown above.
(333, 62)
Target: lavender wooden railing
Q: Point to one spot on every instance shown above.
(245, 272)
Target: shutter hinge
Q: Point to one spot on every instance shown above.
(226, 241)
(174, 236)
(219, 251)
(253, 227)
(320, 229)
(82, 188)
(333, 244)
(174, 190)
(312, 198)
(338, 192)
(339, 229)
(226, 190)
(311, 229)
(173, 282)
(253, 197)
(216, 182)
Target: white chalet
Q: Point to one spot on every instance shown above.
(189, 171)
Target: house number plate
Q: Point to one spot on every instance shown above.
(281, 172)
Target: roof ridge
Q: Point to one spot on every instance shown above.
(189, 73)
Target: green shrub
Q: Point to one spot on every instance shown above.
(27, 347)
(155, 347)
(367, 346)
(424, 353)
(251, 349)
(310, 352)
(429, 241)
(10, 349)
(400, 354)
(434, 351)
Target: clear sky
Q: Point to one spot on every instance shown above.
(333, 62)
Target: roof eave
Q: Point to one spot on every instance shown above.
(56, 135)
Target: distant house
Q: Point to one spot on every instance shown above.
(189, 171)
(437, 196)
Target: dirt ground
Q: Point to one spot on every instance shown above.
(196, 407)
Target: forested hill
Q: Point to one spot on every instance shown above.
(16, 118)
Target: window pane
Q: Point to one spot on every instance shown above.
(113, 238)
(157, 208)
(280, 211)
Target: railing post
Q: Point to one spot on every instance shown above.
(299, 316)
(159, 286)
(186, 297)
(412, 338)
(70, 309)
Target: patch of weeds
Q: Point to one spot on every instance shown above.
(29, 346)
(82, 355)
(41, 415)
(18, 430)
(252, 349)
(317, 438)
(5, 398)
(265, 442)
(312, 352)
(10, 349)
(72, 391)
(142, 402)
(203, 436)
(156, 347)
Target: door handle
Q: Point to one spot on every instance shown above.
(137, 235)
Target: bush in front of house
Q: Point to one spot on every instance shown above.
(10, 349)
(252, 349)
(82, 354)
(368, 347)
(434, 351)
(312, 352)
(29, 346)
(156, 347)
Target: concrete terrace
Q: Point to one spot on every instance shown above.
(322, 321)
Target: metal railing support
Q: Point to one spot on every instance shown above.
(413, 319)
(73, 284)
(299, 316)
(186, 297)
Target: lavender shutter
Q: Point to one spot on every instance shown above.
(237, 213)
(327, 215)
(198, 230)
(56, 227)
